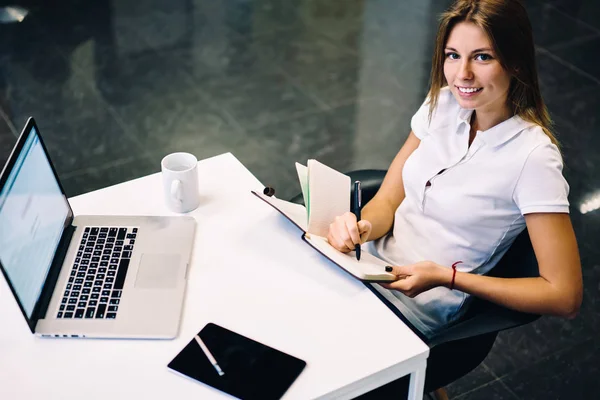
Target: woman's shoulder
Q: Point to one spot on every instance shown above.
(537, 146)
(541, 185)
(534, 136)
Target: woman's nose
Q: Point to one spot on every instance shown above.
(465, 71)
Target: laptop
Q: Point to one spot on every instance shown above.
(86, 276)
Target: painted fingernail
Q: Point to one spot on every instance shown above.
(388, 269)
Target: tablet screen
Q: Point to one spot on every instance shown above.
(244, 368)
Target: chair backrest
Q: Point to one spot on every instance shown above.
(519, 261)
(370, 182)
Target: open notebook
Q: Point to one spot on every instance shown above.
(326, 195)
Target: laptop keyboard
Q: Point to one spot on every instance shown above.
(96, 280)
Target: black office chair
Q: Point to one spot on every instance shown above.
(466, 343)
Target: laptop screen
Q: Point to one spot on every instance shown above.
(33, 211)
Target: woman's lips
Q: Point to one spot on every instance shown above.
(468, 92)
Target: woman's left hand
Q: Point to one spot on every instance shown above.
(418, 278)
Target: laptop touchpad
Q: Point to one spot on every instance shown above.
(158, 271)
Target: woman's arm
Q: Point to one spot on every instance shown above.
(381, 209)
(558, 290)
(377, 216)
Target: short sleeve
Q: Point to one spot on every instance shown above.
(419, 123)
(541, 186)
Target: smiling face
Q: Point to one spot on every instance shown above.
(474, 75)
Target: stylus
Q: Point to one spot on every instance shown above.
(209, 355)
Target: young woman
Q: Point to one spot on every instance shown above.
(479, 166)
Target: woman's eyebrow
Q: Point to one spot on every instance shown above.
(473, 52)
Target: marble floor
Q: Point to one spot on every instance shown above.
(116, 85)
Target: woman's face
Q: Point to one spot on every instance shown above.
(472, 71)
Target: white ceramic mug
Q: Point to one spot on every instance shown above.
(180, 182)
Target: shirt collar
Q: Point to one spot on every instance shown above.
(499, 134)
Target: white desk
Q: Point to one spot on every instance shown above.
(251, 273)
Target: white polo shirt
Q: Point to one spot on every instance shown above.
(472, 208)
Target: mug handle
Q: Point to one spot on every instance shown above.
(176, 190)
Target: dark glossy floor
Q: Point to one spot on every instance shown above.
(117, 85)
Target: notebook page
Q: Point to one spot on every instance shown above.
(329, 192)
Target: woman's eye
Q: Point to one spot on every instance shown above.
(483, 57)
(452, 56)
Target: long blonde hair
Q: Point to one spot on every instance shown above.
(507, 26)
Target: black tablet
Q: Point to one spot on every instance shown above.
(237, 365)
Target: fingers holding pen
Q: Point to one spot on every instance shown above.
(345, 233)
(352, 233)
(364, 229)
(339, 235)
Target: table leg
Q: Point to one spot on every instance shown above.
(417, 382)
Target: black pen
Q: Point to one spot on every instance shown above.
(357, 205)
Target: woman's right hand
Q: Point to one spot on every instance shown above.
(344, 233)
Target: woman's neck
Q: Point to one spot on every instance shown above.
(482, 120)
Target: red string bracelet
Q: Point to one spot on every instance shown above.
(454, 274)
